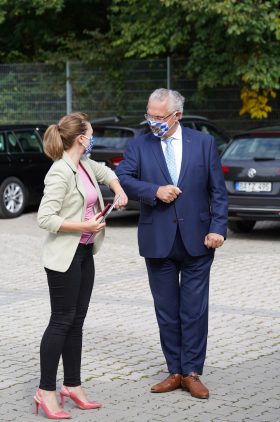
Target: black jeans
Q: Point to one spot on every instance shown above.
(70, 294)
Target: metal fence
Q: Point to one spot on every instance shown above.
(42, 93)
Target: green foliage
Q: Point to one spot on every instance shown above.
(145, 29)
(224, 41)
(34, 30)
(18, 7)
(27, 89)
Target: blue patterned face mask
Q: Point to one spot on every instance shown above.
(159, 129)
(90, 145)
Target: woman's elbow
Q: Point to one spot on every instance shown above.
(50, 223)
(42, 221)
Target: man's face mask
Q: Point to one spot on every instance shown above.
(159, 129)
(90, 145)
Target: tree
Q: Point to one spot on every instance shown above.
(51, 32)
(225, 42)
(40, 30)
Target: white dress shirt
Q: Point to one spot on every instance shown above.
(178, 148)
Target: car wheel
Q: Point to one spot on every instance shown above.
(244, 226)
(13, 198)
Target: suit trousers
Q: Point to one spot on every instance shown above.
(70, 294)
(180, 287)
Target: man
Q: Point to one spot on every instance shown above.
(175, 173)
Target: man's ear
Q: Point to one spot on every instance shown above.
(179, 115)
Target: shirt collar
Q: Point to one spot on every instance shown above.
(177, 134)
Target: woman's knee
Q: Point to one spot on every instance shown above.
(79, 318)
(63, 318)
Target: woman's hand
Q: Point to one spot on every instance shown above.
(118, 190)
(94, 225)
(122, 201)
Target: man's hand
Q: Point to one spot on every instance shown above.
(168, 193)
(213, 240)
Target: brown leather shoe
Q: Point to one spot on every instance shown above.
(193, 384)
(171, 383)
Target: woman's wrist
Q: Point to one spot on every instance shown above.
(84, 227)
(116, 187)
(72, 226)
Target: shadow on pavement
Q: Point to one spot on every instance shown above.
(263, 230)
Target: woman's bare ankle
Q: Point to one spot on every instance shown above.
(47, 393)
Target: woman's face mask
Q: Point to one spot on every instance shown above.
(88, 147)
(159, 129)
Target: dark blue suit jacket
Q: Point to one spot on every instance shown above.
(200, 208)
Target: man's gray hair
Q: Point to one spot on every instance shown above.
(176, 100)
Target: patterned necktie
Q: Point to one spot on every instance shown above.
(170, 160)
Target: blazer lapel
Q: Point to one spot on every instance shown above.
(86, 164)
(157, 150)
(79, 183)
(186, 153)
(87, 167)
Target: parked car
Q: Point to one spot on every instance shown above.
(251, 166)
(205, 125)
(23, 166)
(112, 135)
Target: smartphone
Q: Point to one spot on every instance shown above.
(104, 211)
(108, 209)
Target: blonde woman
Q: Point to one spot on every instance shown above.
(69, 211)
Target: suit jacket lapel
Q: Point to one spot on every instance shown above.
(157, 150)
(186, 153)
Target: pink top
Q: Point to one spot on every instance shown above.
(91, 196)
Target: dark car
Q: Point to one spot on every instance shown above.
(205, 125)
(23, 166)
(251, 166)
(112, 135)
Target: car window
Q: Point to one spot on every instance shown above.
(111, 137)
(211, 130)
(250, 148)
(2, 143)
(143, 128)
(29, 141)
(187, 124)
(13, 143)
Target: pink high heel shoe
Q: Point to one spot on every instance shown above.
(66, 392)
(39, 401)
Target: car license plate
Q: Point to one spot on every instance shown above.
(253, 186)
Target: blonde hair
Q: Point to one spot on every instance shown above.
(60, 137)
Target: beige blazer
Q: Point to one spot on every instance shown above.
(65, 199)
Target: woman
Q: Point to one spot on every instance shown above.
(69, 212)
